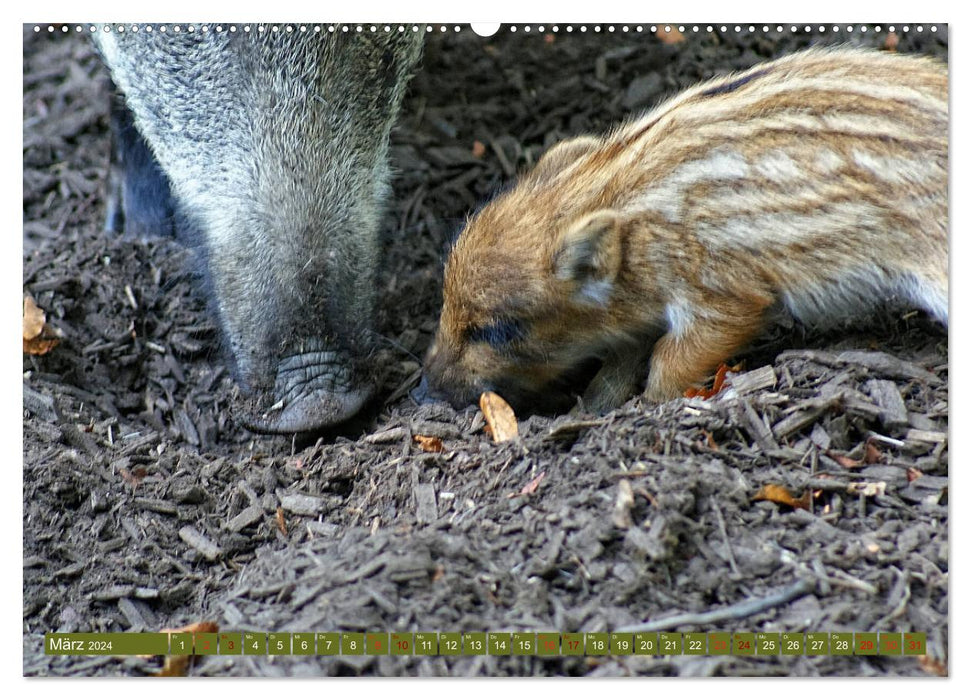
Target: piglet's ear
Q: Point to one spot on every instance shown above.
(563, 154)
(588, 255)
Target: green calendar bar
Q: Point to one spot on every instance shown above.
(743, 644)
(915, 643)
(793, 644)
(474, 644)
(451, 643)
(426, 643)
(817, 644)
(695, 643)
(402, 644)
(254, 643)
(768, 643)
(488, 643)
(377, 644)
(670, 643)
(524, 643)
(205, 643)
(352, 644)
(866, 644)
(106, 644)
(646, 643)
(719, 643)
(500, 644)
(891, 644)
(303, 643)
(230, 643)
(572, 644)
(548, 644)
(621, 644)
(597, 643)
(841, 643)
(328, 643)
(181, 643)
(278, 644)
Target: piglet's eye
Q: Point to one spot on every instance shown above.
(498, 333)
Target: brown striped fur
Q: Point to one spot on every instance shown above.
(816, 183)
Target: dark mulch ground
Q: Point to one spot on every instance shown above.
(145, 506)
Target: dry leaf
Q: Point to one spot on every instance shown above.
(780, 494)
(478, 149)
(531, 487)
(844, 461)
(429, 444)
(39, 337)
(669, 37)
(913, 473)
(132, 478)
(499, 416)
(717, 385)
(281, 522)
(34, 318)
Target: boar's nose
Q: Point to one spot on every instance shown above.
(315, 389)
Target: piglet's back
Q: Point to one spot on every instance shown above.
(819, 179)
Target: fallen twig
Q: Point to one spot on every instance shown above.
(732, 612)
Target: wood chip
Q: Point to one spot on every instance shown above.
(244, 518)
(804, 414)
(386, 436)
(427, 508)
(930, 436)
(499, 417)
(41, 405)
(756, 380)
(893, 412)
(302, 505)
(756, 427)
(571, 428)
(199, 542)
(622, 506)
(431, 428)
(878, 362)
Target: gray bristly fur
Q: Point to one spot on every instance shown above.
(275, 144)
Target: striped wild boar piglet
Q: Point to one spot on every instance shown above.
(815, 184)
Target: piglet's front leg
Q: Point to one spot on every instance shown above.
(686, 355)
(620, 378)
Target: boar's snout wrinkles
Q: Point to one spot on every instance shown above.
(275, 147)
(815, 184)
